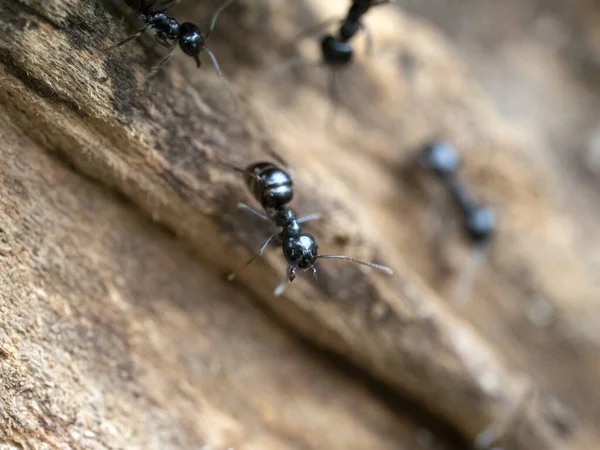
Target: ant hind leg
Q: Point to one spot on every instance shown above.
(125, 41)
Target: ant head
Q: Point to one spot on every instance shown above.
(271, 186)
(336, 52)
(440, 157)
(480, 224)
(192, 41)
(300, 252)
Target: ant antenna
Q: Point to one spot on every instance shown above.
(379, 267)
(215, 16)
(225, 81)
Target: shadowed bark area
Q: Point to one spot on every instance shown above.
(105, 314)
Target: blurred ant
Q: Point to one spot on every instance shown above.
(190, 38)
(478, 222)
(272, 188)
(337, 51)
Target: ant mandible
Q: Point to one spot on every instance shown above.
(272, 187)
(190, 38)
(441, 159)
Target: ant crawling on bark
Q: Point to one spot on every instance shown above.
(478, 222)
(337, 51)
(190, 38)
(272, 188)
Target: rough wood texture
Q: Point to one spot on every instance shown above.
(143, 344)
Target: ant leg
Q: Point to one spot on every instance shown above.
(232, 276)
(164, 59)
(494, 433)
(314, 216)
(168, 6)
(467, 278)
(333, 98)
(368, 40)
(282, 286)
(125, 41)
(246, 208)
(296, 61)
(215, 16)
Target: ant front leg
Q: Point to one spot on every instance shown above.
(232, 276)
(164, 59)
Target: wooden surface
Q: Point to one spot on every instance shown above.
(114, 335)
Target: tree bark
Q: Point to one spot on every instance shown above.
(163, 149)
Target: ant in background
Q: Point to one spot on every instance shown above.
(190, 38)
(478, 222)
(337, 51)
(272, 188)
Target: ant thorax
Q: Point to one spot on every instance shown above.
(165, 26)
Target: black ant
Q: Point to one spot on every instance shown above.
(190, 38)
(441, 159)
(336, 50)
(479, 222)
(272, 187)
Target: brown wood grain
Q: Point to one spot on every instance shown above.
(163, 150)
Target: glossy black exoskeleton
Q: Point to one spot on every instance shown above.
(441, 159)
(337, 50)
(272, 187)
(190, 38)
